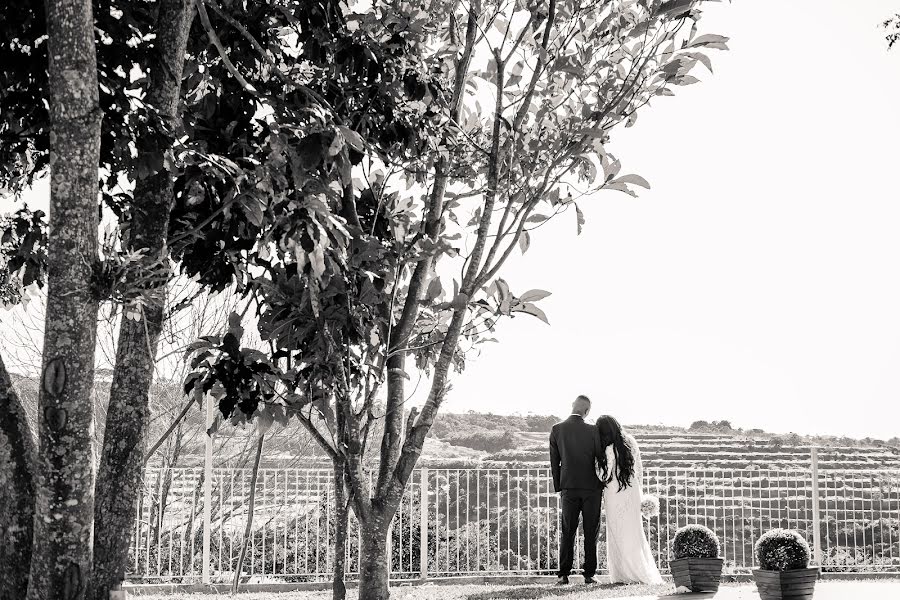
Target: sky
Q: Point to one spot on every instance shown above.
(758, 280)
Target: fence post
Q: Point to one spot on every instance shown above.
(423, 524)
(207, 489)
(816, 517)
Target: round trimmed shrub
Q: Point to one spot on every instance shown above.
(782, 550)
(695, 541)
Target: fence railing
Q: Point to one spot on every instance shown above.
(454, 522)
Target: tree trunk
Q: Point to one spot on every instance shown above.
(248, 530)
(64, 494)
(341, 518)
(373, 570)
(393, 418)
(128, 415)
(16, 492)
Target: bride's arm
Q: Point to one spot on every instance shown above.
(638, 465)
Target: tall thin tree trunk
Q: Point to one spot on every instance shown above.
(341, 519)
(393, 419)
(248, 530)
(64, 494)
(379, 511)
(128, 416)
(373, 575)
(16, 492)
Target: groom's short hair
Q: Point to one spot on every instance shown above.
(581, 405)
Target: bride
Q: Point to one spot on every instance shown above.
(628, 555)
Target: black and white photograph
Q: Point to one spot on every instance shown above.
(449, 299)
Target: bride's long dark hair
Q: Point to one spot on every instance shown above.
(611, 433)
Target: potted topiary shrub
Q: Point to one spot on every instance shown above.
(695, 561)
(784, 571)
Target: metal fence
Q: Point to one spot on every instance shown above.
(498, 521)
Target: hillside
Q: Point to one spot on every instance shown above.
(495, 440)
(491, 440)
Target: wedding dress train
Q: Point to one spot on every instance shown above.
(628, 555)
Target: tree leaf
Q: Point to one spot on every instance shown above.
(234, 325)
(699, 56)
(534, 311)
(253, 209)
(685, 80)
(317, 258)
(534, 295)
(634, 180)
(434, 289)
(214, 428)
(710, 40)
(612, 169)
(675, 8)
(337, 142)
(353, 139)
(592, 132)
(580, 218)
(309, 151)
(503, 288)
(524, 241)
(264, 421)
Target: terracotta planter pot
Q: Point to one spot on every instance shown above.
(697, 574)
(797, 584)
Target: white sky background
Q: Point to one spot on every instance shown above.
(758, 281)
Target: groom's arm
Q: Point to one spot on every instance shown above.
(554, 460)
(600, 460)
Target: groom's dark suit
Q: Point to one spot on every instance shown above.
(574, 450)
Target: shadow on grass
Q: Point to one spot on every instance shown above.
(535, 592)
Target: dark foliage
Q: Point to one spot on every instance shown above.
(485, 441)
(782, 550)
(892, 26)
(695, 541)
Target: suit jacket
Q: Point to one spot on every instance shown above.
(574, 451)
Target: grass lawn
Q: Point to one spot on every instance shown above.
(575, 591)
(884, 589)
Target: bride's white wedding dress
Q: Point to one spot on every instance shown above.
(628, 555)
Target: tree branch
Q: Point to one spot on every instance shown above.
(265, 56)
(169, 431)
(542, 62)
(223, 54)
(391, 439)
(249, 528)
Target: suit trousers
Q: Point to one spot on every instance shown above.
(575, 503)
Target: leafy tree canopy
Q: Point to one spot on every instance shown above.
(268, 112)
(399, 252)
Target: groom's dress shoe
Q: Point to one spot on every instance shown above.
(589, 580)
(562, 580)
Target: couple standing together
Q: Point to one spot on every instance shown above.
(592, 465)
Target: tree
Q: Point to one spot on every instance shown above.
(360, 275)
(26, 129)
(183, 177)
(17, 458)
(128, 412)
(368, 79)
(892, 26)
(64, 488)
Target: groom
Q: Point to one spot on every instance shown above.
(574, 450)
